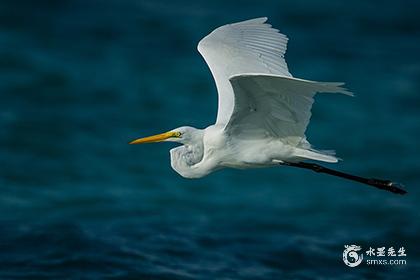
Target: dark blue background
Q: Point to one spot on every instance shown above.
(79, 79)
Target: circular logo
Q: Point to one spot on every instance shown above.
(350, 256)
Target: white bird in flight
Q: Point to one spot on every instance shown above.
(263, 110)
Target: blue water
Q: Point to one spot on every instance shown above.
(79, 79)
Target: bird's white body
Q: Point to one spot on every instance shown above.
(263, 111)
(217, 150)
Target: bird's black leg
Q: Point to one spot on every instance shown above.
(377, 183)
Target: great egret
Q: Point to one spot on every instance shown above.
(263, 110)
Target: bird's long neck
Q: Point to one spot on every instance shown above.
(187, 159)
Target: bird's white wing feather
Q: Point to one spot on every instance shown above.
(274, 106)
(250, 46)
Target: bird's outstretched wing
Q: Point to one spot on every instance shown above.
(274, 106)
(250, 46)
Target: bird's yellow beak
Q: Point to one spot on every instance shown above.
(156, 138)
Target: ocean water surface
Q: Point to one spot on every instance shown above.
(80, 79)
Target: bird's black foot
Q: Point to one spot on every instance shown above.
(387, 185)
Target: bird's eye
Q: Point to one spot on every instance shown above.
(178, 134)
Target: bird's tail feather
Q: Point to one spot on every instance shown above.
(325, 156)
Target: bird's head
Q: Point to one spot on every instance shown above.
(183, 134)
